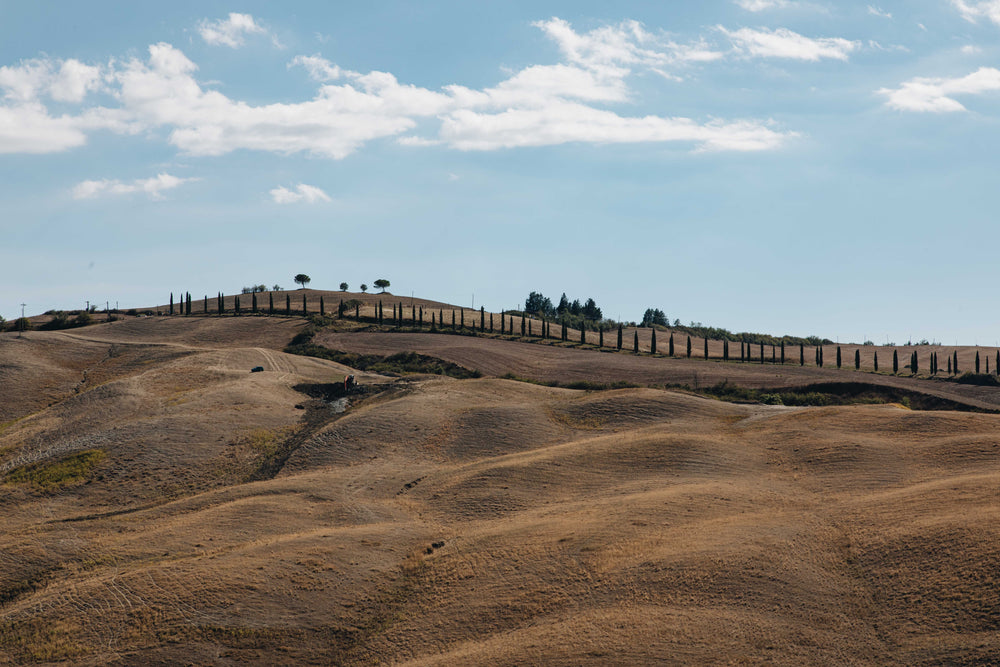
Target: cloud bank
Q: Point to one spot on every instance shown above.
(580, 99)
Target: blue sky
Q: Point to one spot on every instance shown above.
(802, 167)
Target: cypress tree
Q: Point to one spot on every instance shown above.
(977, 362)
(322, 306)
(205, 305)
(635, 343)
(529, 327)
(670, 346)
(441, 317)
(876, 361)
(996, 366)
(816, 351)
(782, 353)
(462, 313)
(895, 362)
(305, 310)
(706, 347)
(288, 304)
(453, 320)
(583, 333)
(619, 336)
(773, 357)
(524, 326)
(821, 357)
(503, 321)
(949, 364)
(838, 356)
(433, 328)
(253, 303)
(270, 303)
(189, 303)
(421, 321)
(652, 345)
(802, 354)
(954, 364)
(913, 362)
(743, 352)
(689, 347)
(987, 364)
(565, 330)
(857, 359)
(482, 319)
(762, 353)
(357, 310)
(237, 305)
(222, 304)
(725, 350)
(171, 303)
(600, 335)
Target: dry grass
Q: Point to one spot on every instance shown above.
(481, 521)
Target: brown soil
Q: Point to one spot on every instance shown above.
(440, 521)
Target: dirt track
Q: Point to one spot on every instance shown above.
(546, 363)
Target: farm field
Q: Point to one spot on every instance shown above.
(164, 505)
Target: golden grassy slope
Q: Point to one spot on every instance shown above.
(570, 527)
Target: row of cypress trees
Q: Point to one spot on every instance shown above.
(183, 306)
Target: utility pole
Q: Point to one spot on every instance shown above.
(21, 331)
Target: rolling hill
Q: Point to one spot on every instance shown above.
(163, 504)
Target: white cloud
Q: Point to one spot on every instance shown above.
(319, 68)
(302, 193)
(973, 11)
(229, 31)
(153, 187)
(761, 5)
(971, 49)
(783, 43)
(566, 122)
(64, 81)
(577, 99)
(28, 128)
(936, 94)
(878, 11)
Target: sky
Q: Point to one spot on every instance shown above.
(803, 167)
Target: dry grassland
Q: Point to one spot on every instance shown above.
(231, 518)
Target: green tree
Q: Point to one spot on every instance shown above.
(619, 336)
(895, 362)
(838, 357)
(977, 362)
(857, 359)
(364, 287)
(876, 361)
(652, 345)
(302, 279)
(381, 283)
(343, 287)
(689, 347)
(635, 342)
(670, 345)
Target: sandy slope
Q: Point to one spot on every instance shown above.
(629, 526)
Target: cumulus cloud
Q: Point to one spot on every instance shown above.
(64, 81)
(153, 187)
(878, 11)
(973, 11)
(935, 95)
(783, 43)
(229, 31)
(308, 194)
(577, 99)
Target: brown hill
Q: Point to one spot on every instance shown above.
(171, 506)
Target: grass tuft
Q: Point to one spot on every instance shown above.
(52, 475)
